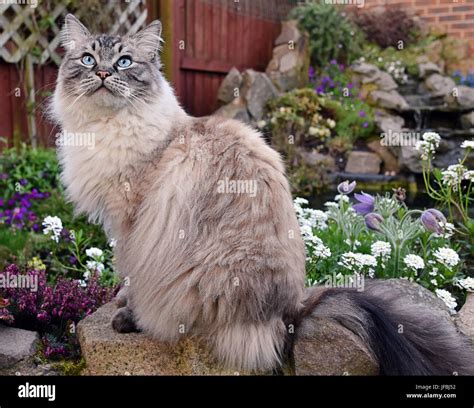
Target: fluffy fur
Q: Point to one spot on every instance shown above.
(223, 266)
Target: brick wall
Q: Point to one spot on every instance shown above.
(455, 17)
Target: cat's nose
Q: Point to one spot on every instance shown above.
(103, 74)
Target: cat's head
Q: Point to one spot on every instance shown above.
(109, 71)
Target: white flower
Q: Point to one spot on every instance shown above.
(358, 262)
(469, 175)
(317, 218)
(261, 124)
(313, 131)
(447, 257)
(113, 243)
(53, 225)
(428, 145)
(94, 253)
(447, 298)
(331, 123)
(331, 204)
(453, 175)
(381, 249)
(468, 144)
(342, 197)
(448, 230)
(434, 282)
(466, 283)
(414, 262)
(94, 266)
(321, 251)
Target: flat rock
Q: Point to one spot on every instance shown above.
(237, 109)
(324, 347)
(465, 319)
(16, 345)
(257, 90)
(467, 120)
(390, 162)
(389, 100)
(229, 86)
(107, 352)
(363, 163)
(428, 68)
(439, 85)
(461, 96)
(289, 32)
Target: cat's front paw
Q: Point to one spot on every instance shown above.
(123, 321)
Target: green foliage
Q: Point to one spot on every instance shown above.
(332, 35)
(39, 167)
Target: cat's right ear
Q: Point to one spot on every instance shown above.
(73, 33)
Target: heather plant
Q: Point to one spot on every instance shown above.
(53, 309)
(379, 237)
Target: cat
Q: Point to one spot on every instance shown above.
(201, 260)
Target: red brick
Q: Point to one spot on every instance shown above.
(462, 26)
(450, 17)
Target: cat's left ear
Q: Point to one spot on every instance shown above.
(149, 39)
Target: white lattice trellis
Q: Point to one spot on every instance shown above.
(21, 34)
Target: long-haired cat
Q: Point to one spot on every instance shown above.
(201, 209)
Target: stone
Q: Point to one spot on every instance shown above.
(237, 109)
(16, 345)
(467, 120)
(257, 90)
(461, 96)
(365, 69)
(410, 159)
(439, 85)
(390, 162)
(465, 318)
(363, 163)
(389, 100)
(428, 68)
(389, 123)
(289, 32)
(231, 82)
(316, 159)
(288, 68)
(324, 347)
(408, 293)
(107, 352)
(383, 80)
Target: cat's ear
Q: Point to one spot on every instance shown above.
(149, 39)
(73, 33)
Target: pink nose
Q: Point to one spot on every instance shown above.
(103, 74)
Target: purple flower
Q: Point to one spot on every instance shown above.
(311, 73)
(341, 67)
(361, 114)
(365, 125)
(320, 89)
(3, 176)
(333, 62)
(1, 202)
(365, 205)
(23, 182)
(346, 188)
(432, 220)
(373, 221)
(350, 85)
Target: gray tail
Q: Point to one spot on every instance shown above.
(405, 338)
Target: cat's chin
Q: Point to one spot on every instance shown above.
(106, 98)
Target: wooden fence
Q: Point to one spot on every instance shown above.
(204, 40)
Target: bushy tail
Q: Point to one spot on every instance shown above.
(404, 337)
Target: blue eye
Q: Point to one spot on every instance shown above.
(124, 62)
(88, 60)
